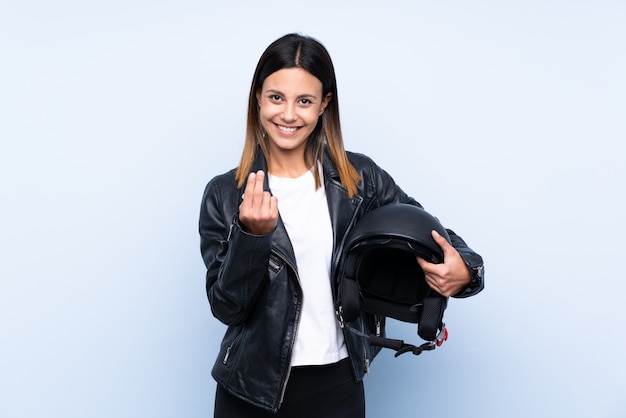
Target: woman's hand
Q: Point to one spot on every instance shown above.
(449, 277)
(258, 213)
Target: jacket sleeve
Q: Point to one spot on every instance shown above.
(236, 261)
(474, 263)
(387, 191)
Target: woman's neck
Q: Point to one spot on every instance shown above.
(285, 164)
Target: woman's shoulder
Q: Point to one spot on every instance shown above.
(224, 178)
(360, 160)
(222, 183)
(364, 164)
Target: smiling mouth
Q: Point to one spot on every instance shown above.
(288, 129)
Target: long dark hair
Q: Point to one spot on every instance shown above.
(299, 51)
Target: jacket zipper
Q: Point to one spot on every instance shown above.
(229, 348)
(366, 361)
(274, 264)
(336, 261)
(293, 342)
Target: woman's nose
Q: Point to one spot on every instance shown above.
(289, 113)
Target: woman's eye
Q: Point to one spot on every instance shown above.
(275, 97)
(305, 101)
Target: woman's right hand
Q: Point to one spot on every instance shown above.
(258, 212)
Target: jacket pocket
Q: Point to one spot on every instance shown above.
(234, 344)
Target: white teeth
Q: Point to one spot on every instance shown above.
(287, 128)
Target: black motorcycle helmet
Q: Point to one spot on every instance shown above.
(380, 271)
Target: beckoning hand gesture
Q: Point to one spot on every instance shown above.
(258, 213)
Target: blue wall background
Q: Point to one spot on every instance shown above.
(504, 118)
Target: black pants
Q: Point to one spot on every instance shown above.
(327, 391)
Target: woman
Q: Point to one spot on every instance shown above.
(271, 238)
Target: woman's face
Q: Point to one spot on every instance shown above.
(290, 103)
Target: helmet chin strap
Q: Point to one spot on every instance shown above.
(400, 346)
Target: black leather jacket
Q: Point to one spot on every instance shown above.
(253, 287)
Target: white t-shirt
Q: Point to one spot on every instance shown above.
(304, 212)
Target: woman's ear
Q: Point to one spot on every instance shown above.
(325, 102)
(258, 98)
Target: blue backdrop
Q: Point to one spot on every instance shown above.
(503, 118)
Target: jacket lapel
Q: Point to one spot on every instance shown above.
(343, 209)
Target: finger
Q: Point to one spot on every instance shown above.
(269, 209)
(425, 265)
(442, 242)
(265, 204)
(433, 284)
(273, 205)
(248, 197)
(422, 263)
(258, 187)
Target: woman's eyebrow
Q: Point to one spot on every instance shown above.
(302, 96)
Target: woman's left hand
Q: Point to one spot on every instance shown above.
(449, 277)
